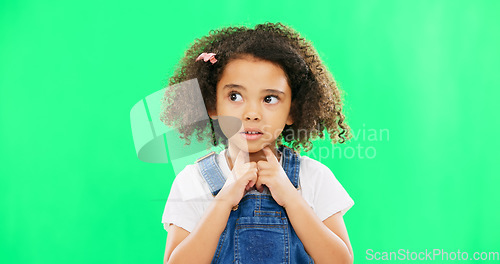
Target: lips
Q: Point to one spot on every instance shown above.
(252, 131)
(251, 134)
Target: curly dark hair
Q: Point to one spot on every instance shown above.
(316, 99)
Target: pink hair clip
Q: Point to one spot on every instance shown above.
(207, 56)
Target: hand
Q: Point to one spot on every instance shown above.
(243, 177)
(271, 174)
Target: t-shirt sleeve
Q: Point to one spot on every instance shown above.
(180, 208)
(329, 195)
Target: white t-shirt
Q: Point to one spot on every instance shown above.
(190, 194)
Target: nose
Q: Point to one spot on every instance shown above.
(252, 116)
(252, 112)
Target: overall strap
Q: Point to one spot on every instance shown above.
(211, 172)
(291, 164)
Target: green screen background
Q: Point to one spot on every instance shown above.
(421, 94)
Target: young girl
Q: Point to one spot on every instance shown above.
(261, 202)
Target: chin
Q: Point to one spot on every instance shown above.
(253, 147)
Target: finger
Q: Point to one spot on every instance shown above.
(251, 177)
(259, 185)
(270, 156)
(250, 184)
(262, 165)
(252, 166)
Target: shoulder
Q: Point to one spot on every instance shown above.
(189, 184)
(322, 190)
(315, 176)
(314, 168)
(191, 173)
(187, 174)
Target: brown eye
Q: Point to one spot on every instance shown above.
(235, 97)
(271, 99)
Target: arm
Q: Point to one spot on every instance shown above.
(175, 236)
(203, 240)
(205, 236)
(325, 242)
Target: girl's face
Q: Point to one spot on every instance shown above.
(257, 93)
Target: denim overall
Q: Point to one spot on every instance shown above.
(258, 230)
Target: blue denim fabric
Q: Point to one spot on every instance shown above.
(258, 229)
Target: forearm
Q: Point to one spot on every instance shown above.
(200, 245)
(323, 245)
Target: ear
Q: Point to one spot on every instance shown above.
(212, 114)
(289, 119)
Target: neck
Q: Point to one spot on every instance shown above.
(232, 152)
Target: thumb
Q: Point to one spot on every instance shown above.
(271, 158)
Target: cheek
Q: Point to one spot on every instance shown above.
(223, 106)
(219, 102)
(227, 108)
(282, 112)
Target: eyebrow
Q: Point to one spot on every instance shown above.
(240, 87)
